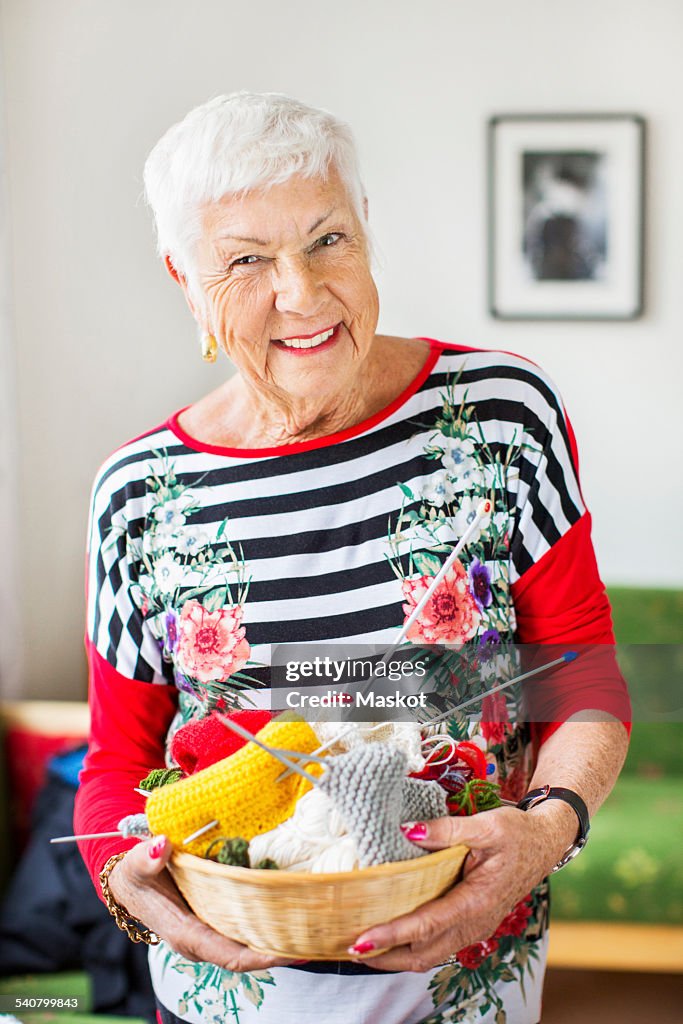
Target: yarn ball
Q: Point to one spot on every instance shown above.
(204, 741)
(229, 851)
(314, 828)
(134, 825)
(240, 792)
(160, 777)
(341, 855)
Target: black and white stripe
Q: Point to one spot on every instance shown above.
(313, 524)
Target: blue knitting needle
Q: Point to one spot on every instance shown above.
(564, 660)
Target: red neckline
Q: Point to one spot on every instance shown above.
(319, 442)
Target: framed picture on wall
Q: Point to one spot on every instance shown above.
(566, 216)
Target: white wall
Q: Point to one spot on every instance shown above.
(104, 345)
(10, 614)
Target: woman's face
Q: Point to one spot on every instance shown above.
(286, 285)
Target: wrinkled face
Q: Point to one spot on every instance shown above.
(286, 285)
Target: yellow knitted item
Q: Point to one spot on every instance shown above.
(240, 791)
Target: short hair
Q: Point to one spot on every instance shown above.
(234, 144)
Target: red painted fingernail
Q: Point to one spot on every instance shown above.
(417, 831)
(295, 963)
(157, 848)
(362, 947)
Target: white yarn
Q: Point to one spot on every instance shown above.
(316, 817)
(342, 855)
(406, 736)
(314, 829)
(282, 845)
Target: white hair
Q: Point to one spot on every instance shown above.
(234, 144)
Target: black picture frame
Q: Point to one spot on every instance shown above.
(566, 216)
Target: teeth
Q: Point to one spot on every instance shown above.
(308, 342)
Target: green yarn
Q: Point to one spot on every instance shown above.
(475, 796)
(233, 851)
(161, 777)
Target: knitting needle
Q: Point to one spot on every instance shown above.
(303, 756)
(246, 735)
(330, 743)
(200, 832)
(483, 509)
(111, 835)
(88, 835)
(133, 826)
(564, 660)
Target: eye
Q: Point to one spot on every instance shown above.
(331, 238)
(245, 261)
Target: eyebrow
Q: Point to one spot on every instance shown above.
(321, 220)
(260, 241)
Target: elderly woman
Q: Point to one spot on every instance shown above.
(259, 514)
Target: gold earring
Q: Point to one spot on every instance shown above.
(209, 348)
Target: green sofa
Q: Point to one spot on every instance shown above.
(631, 872)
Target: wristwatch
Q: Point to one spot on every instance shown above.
(537, 796)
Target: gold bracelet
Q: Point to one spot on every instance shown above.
(133, 928)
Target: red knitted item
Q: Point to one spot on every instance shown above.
(201, 743)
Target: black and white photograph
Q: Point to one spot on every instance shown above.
(565, 217)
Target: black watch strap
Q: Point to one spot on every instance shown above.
(537, 796)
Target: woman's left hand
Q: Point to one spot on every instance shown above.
(511, 851)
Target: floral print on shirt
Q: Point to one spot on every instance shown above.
(191, 588)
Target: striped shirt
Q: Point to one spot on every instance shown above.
(201, 557)
(310, 520)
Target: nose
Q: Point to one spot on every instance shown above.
(298, 289)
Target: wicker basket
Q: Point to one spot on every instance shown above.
(318, 916)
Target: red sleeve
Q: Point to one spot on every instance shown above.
(129, 722)
(561, 600)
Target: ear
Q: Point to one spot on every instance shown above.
(177, 277)
(181, 280)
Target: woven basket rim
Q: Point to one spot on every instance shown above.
(269, 878)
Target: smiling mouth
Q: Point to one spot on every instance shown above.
(313, 341)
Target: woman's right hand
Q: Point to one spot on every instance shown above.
(141, 883)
